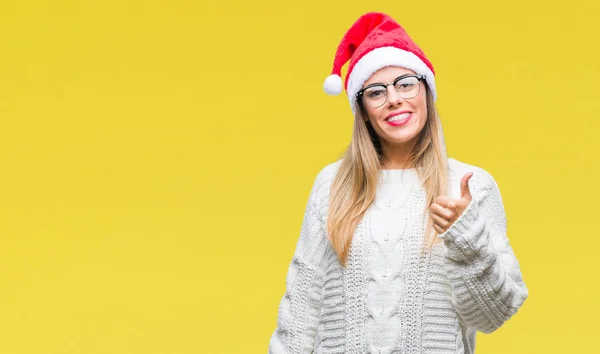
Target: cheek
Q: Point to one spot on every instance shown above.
(372, 113)
(422, 107)
(373, 116)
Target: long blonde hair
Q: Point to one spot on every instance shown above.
(354, 186)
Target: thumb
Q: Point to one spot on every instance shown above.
(465, 192)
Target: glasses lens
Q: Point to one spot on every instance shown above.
(375, 96)
(408, 87)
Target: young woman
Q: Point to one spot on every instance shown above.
(402, 249)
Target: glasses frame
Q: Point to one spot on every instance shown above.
(359, 94)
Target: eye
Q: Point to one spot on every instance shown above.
(406, 84)
(375, 93)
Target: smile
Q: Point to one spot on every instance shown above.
(398, 120)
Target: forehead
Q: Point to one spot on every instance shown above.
(387, 74)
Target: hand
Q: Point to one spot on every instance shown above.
(445, 211)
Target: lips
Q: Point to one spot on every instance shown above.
(399, 119)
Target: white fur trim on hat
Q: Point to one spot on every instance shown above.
(381, 57)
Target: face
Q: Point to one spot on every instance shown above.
(394, 134)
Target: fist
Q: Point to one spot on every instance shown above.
(445, 211)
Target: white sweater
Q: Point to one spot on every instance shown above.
(391, 298)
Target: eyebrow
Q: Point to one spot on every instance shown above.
(381, 83)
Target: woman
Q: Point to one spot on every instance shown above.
(402, 250)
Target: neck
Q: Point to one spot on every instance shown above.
(396, 156)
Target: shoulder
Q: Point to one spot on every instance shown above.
(322, 184)
(328, 172)
(481, 179)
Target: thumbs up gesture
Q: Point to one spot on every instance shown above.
(445, 211)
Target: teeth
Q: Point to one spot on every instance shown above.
(399, 117)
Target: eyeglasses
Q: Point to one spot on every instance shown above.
(375, 95)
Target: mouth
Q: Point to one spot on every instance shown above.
(397, 119)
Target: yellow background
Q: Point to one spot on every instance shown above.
(156, 159)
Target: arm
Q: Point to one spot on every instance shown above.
(484, 273)
(299, 308)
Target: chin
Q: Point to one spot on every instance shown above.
(401, 136)
(400, 140)
(406, 132)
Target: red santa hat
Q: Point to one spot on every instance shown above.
(375, 41)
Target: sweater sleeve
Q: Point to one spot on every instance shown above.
(299, 308)
(484, 273)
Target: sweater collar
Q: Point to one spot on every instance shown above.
(407, 176)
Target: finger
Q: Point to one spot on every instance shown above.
(438, 229)
(440, 221)
(465, 191)
(447, 202)
(441, 211)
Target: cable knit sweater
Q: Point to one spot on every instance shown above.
(391, 298)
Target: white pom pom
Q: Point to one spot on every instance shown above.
(333, 85)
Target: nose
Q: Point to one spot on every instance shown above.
(393, 97)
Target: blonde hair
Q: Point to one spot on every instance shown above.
(354, 186)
